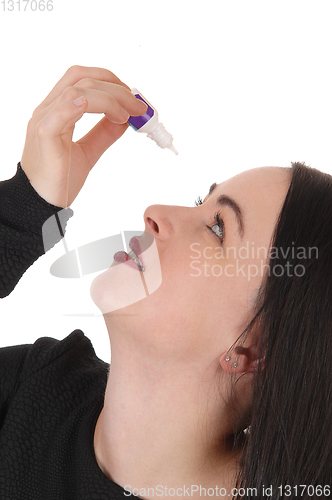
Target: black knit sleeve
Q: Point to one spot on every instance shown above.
(22, 216)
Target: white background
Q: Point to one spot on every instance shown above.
(239, 84)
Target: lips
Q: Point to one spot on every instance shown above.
(133, 258)
(135, 246)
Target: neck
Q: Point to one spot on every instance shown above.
(164, 422)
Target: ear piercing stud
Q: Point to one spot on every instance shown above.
(228, 358)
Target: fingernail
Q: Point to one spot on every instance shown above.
(79, 101)
(141, 104)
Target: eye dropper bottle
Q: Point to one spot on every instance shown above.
(149, 124)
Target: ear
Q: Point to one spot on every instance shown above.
(241, 360)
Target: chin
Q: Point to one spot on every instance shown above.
(116, 288)
(123, 285)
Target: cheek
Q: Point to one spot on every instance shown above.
(221, 295)
(202, 296)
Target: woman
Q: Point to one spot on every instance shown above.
(220, 380)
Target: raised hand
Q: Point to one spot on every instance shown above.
(56, 166)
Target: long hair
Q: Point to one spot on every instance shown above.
(289, 446)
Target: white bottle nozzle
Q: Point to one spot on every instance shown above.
(163, 138)
(172, 148)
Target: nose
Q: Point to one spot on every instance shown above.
(164, 220)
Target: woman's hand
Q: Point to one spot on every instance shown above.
(56, 166)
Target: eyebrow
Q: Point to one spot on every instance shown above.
(224, 200)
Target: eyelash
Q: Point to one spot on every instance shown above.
(219, 226)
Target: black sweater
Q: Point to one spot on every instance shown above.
(51, 392)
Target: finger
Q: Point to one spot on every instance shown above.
(73, 75)
(100, 102)
(59, 120)
(100, 138)
(125, 98)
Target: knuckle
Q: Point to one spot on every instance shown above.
(58, 115)
(87, 83)
(51, 122)
(75, 71)
(32, 122)
(42, 129)
(70, 93)
(36, 112)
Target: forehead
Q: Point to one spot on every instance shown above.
(262, 179)
(260, 193)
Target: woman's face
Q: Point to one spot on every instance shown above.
(212, 258)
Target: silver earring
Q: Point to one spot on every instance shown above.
(227, 358)
(234, 365)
